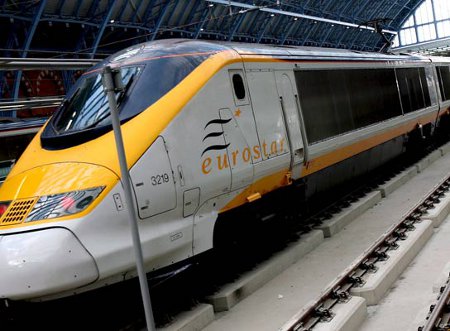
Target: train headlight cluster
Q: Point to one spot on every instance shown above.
(4, 207)
(63, 204)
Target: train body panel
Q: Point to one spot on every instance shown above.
(36, 263)
(207, 128)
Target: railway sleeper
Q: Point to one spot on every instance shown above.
(408, 225)
(400, 234)
(391, 242)
(381, 253)
(341, 293)
(324, 312)
(356, 279)
(369, 265)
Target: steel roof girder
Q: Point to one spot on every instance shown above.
(362, 8)
(193, 11)
(71, 20)
(136, 10)
(27, 44)
(237, 24)
(161, 17)
(205, 14)
(183, 10)
(309, 17)
(288, 31)
(33, 27)
(16, 17)
(148, 12)
(326, 36)
(93, 8)
(248, 24)
(279, 25)
(59, 7)
(77, 8)
(21, 64)
(102, 28)
(221, 18)
(122, 11)
(300, 26)
(172, 12)
(263, 30)
(310, 31)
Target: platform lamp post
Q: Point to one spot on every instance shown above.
(112, 81)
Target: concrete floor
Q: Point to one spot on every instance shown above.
(271, 306)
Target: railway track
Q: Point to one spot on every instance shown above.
(438, 318)
(321, 309)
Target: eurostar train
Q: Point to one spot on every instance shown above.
(208, 128)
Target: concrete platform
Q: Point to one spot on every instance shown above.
(393, 184)
(231, 294)
(349, 214)
(429, 159)
(434, 156)
(445, 148)
(349, 316)
(378, 284)
(193, 320)
(442, 278)
(439, 212)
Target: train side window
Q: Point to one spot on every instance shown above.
(239, 87)
(377, 98)
(413, 87)
(238, 84)
(444, 81)
(334, 102)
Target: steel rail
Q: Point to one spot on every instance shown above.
(339, 291)
(435, 320)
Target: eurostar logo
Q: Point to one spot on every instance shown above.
(215, 134)
(235, 154)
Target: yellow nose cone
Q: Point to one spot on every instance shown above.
(56, 178)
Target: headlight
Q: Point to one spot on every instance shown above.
(63, 204)
(4, 207)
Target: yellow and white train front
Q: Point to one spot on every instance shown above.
(64, 227)
(39, 253)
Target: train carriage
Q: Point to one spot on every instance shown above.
(208, 128)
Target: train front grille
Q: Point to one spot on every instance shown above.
(17, 211)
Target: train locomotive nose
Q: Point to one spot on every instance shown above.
(43, 262)
(42, 210)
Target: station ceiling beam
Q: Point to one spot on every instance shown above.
(293, 14)
(41, 63)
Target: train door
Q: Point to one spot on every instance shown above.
(238, 151)
(288, 102)
(274, 149)
(153, 182)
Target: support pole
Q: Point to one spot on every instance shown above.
(110, 90)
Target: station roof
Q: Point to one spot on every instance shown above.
(95, 28)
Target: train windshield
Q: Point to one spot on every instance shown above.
(88, 106)
(85, 113)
